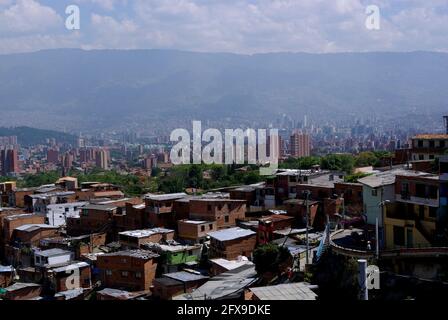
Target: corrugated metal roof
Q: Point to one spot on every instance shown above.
(185, 276)
(227, 285)
(6, 268)
(164, 197)
(52, 252)
(143, 254)
(230, 234)
(287, 291)
(388, 177)
(33, 227)
(72, 266)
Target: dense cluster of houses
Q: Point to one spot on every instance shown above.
(70, 241)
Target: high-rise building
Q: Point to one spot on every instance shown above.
(67, 160)
(300, 145)
(52, 156)
(102, 158)
(9, 161)
(150, 162)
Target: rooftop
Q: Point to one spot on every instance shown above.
(231, 234)
(194, 221)
(73, 266)
(34, 227)
(231, 264)
(229, 284)
(145, 232)
(6, 268)
(185, 276)
(142, 254)
(298, 172)
(431, 136)
(18, 216)
(287, 291)
(170, 248)
(388, 177)
(120, 294)
(165, 197)
(52, 252)
(21, 285)
(99, 207)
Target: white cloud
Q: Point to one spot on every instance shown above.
(28, 16)
(244, 26)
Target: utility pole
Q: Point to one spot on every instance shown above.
(306, 219)
(377, 245)
(362, 279)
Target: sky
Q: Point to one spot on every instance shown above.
(239, 26)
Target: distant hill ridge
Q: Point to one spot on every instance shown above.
(102, 88)
(27, 136)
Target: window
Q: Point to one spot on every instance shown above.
(431, 157)
(420, 190)
(432, 144)
(66, 209)
(433, 192)
(399, 236)
(442, 143)
(190, 252)
(405, 190)
(433, 212)
(374, 192)
(226, 219)
(124, 274)
(210, 226)
(108, 272)
(421, 157)
(421, 212)
(209, 207)
(420, 143)
(202, 228)
(138, 275)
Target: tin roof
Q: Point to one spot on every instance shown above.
(185, 276)
(231, 234)
(287, 291)
(164, 197)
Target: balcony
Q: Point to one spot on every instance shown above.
(408, 198)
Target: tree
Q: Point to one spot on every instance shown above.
(338, 162)
(337, 277)
(269, 257)
(367, 158)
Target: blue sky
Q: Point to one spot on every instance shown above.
(240, 26)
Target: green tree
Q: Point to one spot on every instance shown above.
(337, 277)
(367, 158)
(338, 162)
(268, 257)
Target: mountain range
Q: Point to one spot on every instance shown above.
(75, 89)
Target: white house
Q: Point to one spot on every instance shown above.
(57, 214)
(52, 258)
